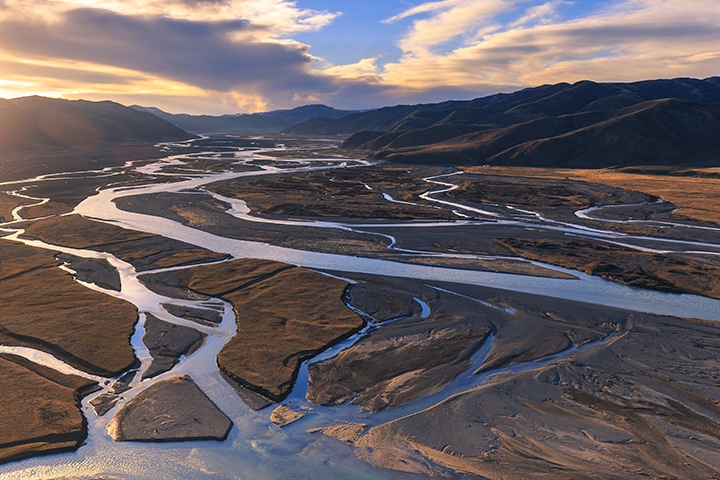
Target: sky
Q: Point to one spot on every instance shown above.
(239, 56)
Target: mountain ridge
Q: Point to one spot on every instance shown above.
(585, 124)
(26, 122)
(659, 132)
(270, 122)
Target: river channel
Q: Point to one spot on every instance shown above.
(256, 448)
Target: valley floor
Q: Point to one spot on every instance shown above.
(274, 309)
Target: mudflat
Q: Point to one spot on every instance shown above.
(92, 334)
(167, 343)
(93, 270)
(414, 355)
(643, 403)
(411, 356)
(41, 410)
(295, 315)
(174, 409)
(47, 159)
(285, 315)
(206, 213)
(144, 251)
(8, 203)
(63, 195)
(667, 273)
(442, 379)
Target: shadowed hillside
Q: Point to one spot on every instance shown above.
(660, 132)
(36, 121)
(585, 124)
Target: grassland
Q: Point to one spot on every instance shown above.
(285, 315)
(696, 192)
(41, 411)
(42, 307)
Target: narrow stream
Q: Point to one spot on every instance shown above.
(586, 214)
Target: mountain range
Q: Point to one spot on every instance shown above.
(28, 122)
(586, 124)
(250, 124)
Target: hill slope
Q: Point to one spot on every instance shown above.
(585, 124)
(659, 132)
(30, 121)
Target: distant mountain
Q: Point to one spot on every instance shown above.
(306, 112)
(256, 123)
(507, 109)
(32, 121)
(246, 124)
(585, 124)
(387, 119)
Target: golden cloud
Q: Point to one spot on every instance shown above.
(223, 55)
(635, 39)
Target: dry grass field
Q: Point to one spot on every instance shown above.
(42, 307)
(8, 203)
(40, 411)
(143, 250)
(695, 192)
(285, 315)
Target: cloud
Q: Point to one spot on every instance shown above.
(63, 73)
(277, 17)
(702, 57)
(200, 53)
(215, 55)
(366, 67)
(625, 41)
(429, 7)
(232, 55)
(449, 19)
(235, 49)
(543, 13)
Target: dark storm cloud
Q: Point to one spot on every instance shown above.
(198, 53)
